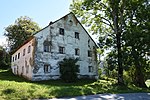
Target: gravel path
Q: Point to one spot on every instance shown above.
(126, 96)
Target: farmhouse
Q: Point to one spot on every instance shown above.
(37, 59)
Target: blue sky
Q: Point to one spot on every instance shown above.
(41, 11)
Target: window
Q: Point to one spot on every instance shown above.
(22, 69)
(18, 55)
(61, 31)
(15, 57)
(76, 35)
(29, 49)
(89, 53)
(77, 51)
(27, 69)
(90, 69)
(47, 46)
(46, 68)
(24, 51)
(61, 50)
(78, 66)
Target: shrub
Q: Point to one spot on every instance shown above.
(68, 69)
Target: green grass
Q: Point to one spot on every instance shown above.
(15, 87)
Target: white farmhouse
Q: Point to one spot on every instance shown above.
(37, 59)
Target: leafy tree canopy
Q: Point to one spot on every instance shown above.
(20, 31)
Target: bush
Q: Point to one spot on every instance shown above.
(68, 69)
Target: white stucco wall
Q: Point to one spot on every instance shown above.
(24, 64)
(68, 40)
(37, 58)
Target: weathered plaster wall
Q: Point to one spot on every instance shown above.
(24, 64)
(68, 40)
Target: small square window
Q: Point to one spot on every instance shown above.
(18, 55)
(46, 68)
(90, 68)
(24, 51)
(61, 50)
(77, 51)
(29, 49)
(61, 31)
(89, 53)
(76, 35)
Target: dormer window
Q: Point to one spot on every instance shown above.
(61, 31)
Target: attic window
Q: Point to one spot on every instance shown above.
(29, 49)
(70, 22)
(61, 31)
(76, 35)
(46, 45)
(24, 51)
(89, 53)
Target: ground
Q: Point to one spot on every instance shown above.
(16, 87)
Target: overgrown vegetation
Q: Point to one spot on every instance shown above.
(123, 30)
(68, 69)
(4, 59)
(15, 87)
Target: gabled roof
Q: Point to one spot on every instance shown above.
(53, 23)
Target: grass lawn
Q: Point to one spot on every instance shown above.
(15, 87)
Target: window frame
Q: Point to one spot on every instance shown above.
(29, 48)
(77, 35)
(89, 53)
(90, 69)
(61, 49)
(24, 51)
(77, 51)
(15, 57)
(61, 31)
(46, 68)
(18, 55)
(46, 48)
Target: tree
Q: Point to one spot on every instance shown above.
(68, 69)
(20, 31)
(105, 17)
(4, 59)
(136, 38)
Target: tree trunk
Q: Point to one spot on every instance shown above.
(115, 15)
(139, 77)
(120, 68)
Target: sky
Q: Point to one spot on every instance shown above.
(41, 11)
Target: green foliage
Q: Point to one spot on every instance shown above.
(20, 31)
(68, 69)
(4, 59)
(17, 88)
(124, 28)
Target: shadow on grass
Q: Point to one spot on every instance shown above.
(7, 75)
